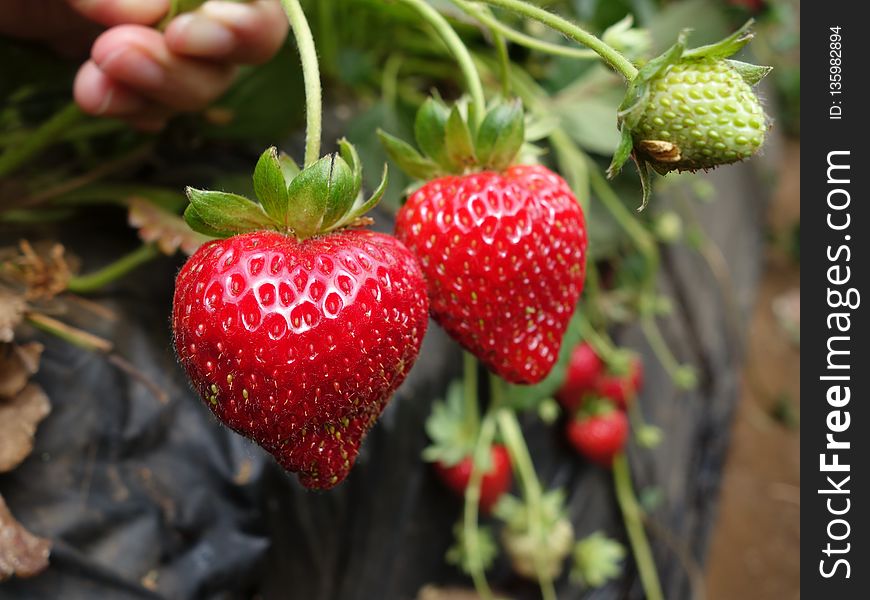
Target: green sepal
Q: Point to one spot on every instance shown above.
(458, 142)
(320, 195)
(750, 73)
(725, 47)
(501, 135)
(483, 546)
(225, 212)
(195, 222)
(409, 160)
(270, 185)
(361, 207)
(430, 131)
(645, 181)
(289, 168)
(450, 431)
(622, 154)
(351, 157)
(597, 560)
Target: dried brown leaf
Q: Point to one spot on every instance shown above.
(12, 307)
(166, 229)
(19, 417)
(17, 365)
(21, 553)
(42, 270)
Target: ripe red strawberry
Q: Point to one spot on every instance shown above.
(299, 345)
(584, 369)
(599, 436)
(503, 247)
(504, 258)
(496, 481)
(621, 388)
(297, 337)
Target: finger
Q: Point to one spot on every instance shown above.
(248, 33)
(118, 12)
(138, 58)
(97, 94)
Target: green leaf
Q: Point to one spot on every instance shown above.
(227, 212)
(320, 195)
(597, 560)
(408, 159)
(750, 73)
(429, 129)
(270, 186)
(479, 543)
(195, 222)
(622, 154)
(459, 146)
(501, 135)
(361, 208)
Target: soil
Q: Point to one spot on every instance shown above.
(754, 552)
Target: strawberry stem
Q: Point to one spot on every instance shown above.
(460, 52)
(471, 509)
(92, 282)
(469, 380)
(610, 54)
(311, 77)
(46, 134)
(525, 469)
(632, 516)
(483, 15)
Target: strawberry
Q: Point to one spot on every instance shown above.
(584, 369)
(599, 432)
(297, 336)
(692, 109)
(503, 248)
(496, 480)
(621, 387)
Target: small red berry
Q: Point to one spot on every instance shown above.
(584, 368)
(496, 481)
(599, 437)
(621, 388)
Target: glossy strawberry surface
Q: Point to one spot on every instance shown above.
(299, 345)
(599, 438)
(584, 368)
(621, 388)
(496, 481)
(504, 255)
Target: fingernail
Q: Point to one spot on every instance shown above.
(134, 67)
(117, 103)
(226, 12)
(202, 36)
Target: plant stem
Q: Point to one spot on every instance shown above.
(37, 140)
(660, 348)
(504, 61)
(471, 508)
(84, 284)
(525, 468)
(311, 77)
(631, 514)
(520, 38)
(469, 379)
(76, 337)
(460, 52)
(610, 55)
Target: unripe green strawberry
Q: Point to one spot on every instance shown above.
(699, 114)
(691, 109)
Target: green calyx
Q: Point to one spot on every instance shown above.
(691, 109)
(320, 198)
(595, 406)
(451, 143)
(453, 434)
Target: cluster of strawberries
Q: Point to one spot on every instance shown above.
(596, 397)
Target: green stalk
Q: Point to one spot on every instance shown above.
(472, 506)
(610, 54)
(469, 379)
(522, 460)
(504, 61)
(311, 77)
(520, 38)
(44, 136)
(631, 514)
(460, 52)
(84, 284)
